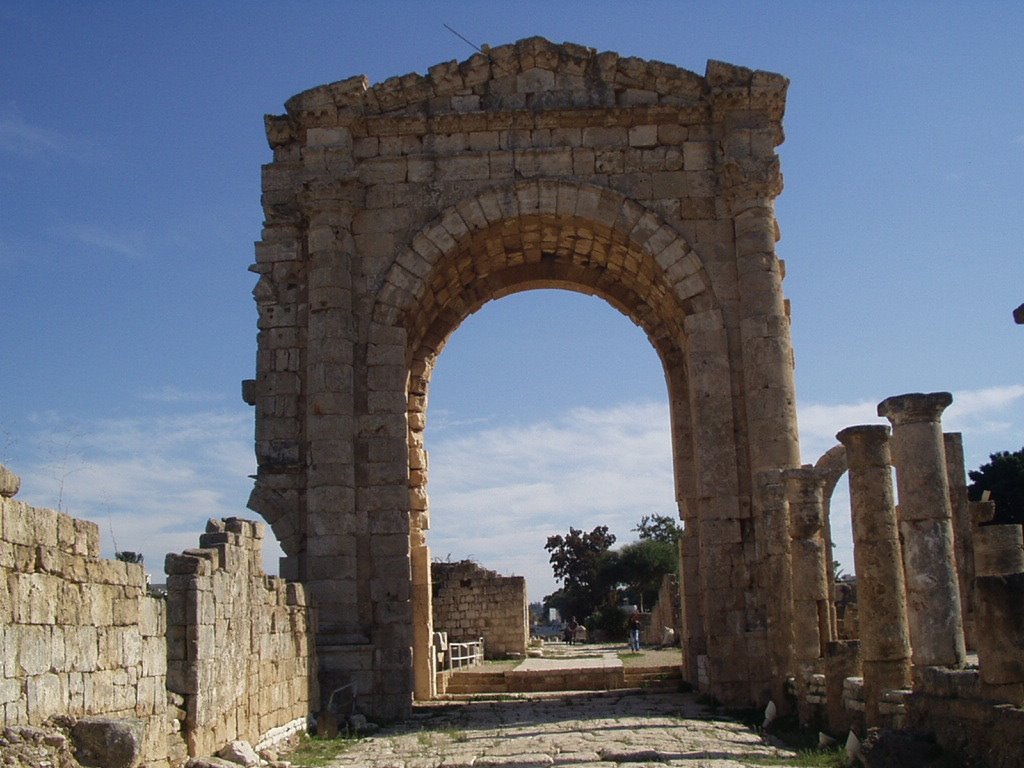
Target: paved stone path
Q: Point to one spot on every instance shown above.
(603, 730)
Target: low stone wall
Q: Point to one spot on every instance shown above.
(240, 644)
(79, 635)
(470, 602)
(955, 706)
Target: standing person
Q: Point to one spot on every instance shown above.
(634, 631)
(573, 626)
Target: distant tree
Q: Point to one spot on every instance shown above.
(636, 570)
(1003, 477)
(574, 562)
(658, 528)
(129, 557)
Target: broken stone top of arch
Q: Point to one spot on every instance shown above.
(536, 73)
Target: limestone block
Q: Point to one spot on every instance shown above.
(46, 695)
(10, 483)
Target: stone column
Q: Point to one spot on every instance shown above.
(884, 636)
(953, 443)
(933, 594)
(811, 626)
(772, 523)
(999, 584)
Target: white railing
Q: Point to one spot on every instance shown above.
(465, 654)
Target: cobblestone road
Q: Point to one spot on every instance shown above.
(607, 730)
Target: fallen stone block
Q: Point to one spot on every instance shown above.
(105, 742)
(240, 753)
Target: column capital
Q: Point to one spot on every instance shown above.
(914, 407)
(863, 436)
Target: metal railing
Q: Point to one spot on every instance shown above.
(465, 654)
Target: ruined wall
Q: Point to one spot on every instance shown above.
(471, 602)
(667, 612)
(240, 643)
(227, 655)
(79, 635)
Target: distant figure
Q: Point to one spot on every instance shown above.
(570, 631)
(634, 631)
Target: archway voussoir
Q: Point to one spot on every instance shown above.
(490, 206)
(645, 227)
(426, 248)
(672, 254)
(453, 223)
(661, 239)
(440, 237)
(547, 201)
(588, 202)
(528, 198)
(629, 213)
(472, 214)
(568, 197)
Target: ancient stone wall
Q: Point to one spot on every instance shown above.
(227, 654)
(79, 635)
(239, 643)
(471, 602)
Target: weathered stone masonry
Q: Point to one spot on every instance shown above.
(470, 602)
(394, 211)
(227, 655)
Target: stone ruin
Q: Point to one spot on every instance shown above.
(226, 654)
(472, 603)
(393, 212)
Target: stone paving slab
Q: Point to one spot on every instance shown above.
(606, 730)
(543, 664)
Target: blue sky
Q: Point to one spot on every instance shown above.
(131, 139)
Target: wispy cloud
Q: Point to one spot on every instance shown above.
(150, 483)
(19, 137)
(102, 239)
(175, 395)
(496, 492)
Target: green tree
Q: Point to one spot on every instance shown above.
(658, 528)
(575, 562)
(635, 571)
(1003, 478)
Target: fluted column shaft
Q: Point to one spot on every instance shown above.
(925, 515)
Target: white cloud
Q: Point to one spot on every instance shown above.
(496, 493)
(150, 482)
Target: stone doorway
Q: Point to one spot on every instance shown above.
(395, 211)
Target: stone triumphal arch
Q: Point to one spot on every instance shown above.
(394, 211)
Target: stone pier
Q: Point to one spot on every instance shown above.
(773, 519)
(925, 515)
(884, 636)
(999, 581)
(953, 442)
(842, 660)
(810, 579)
